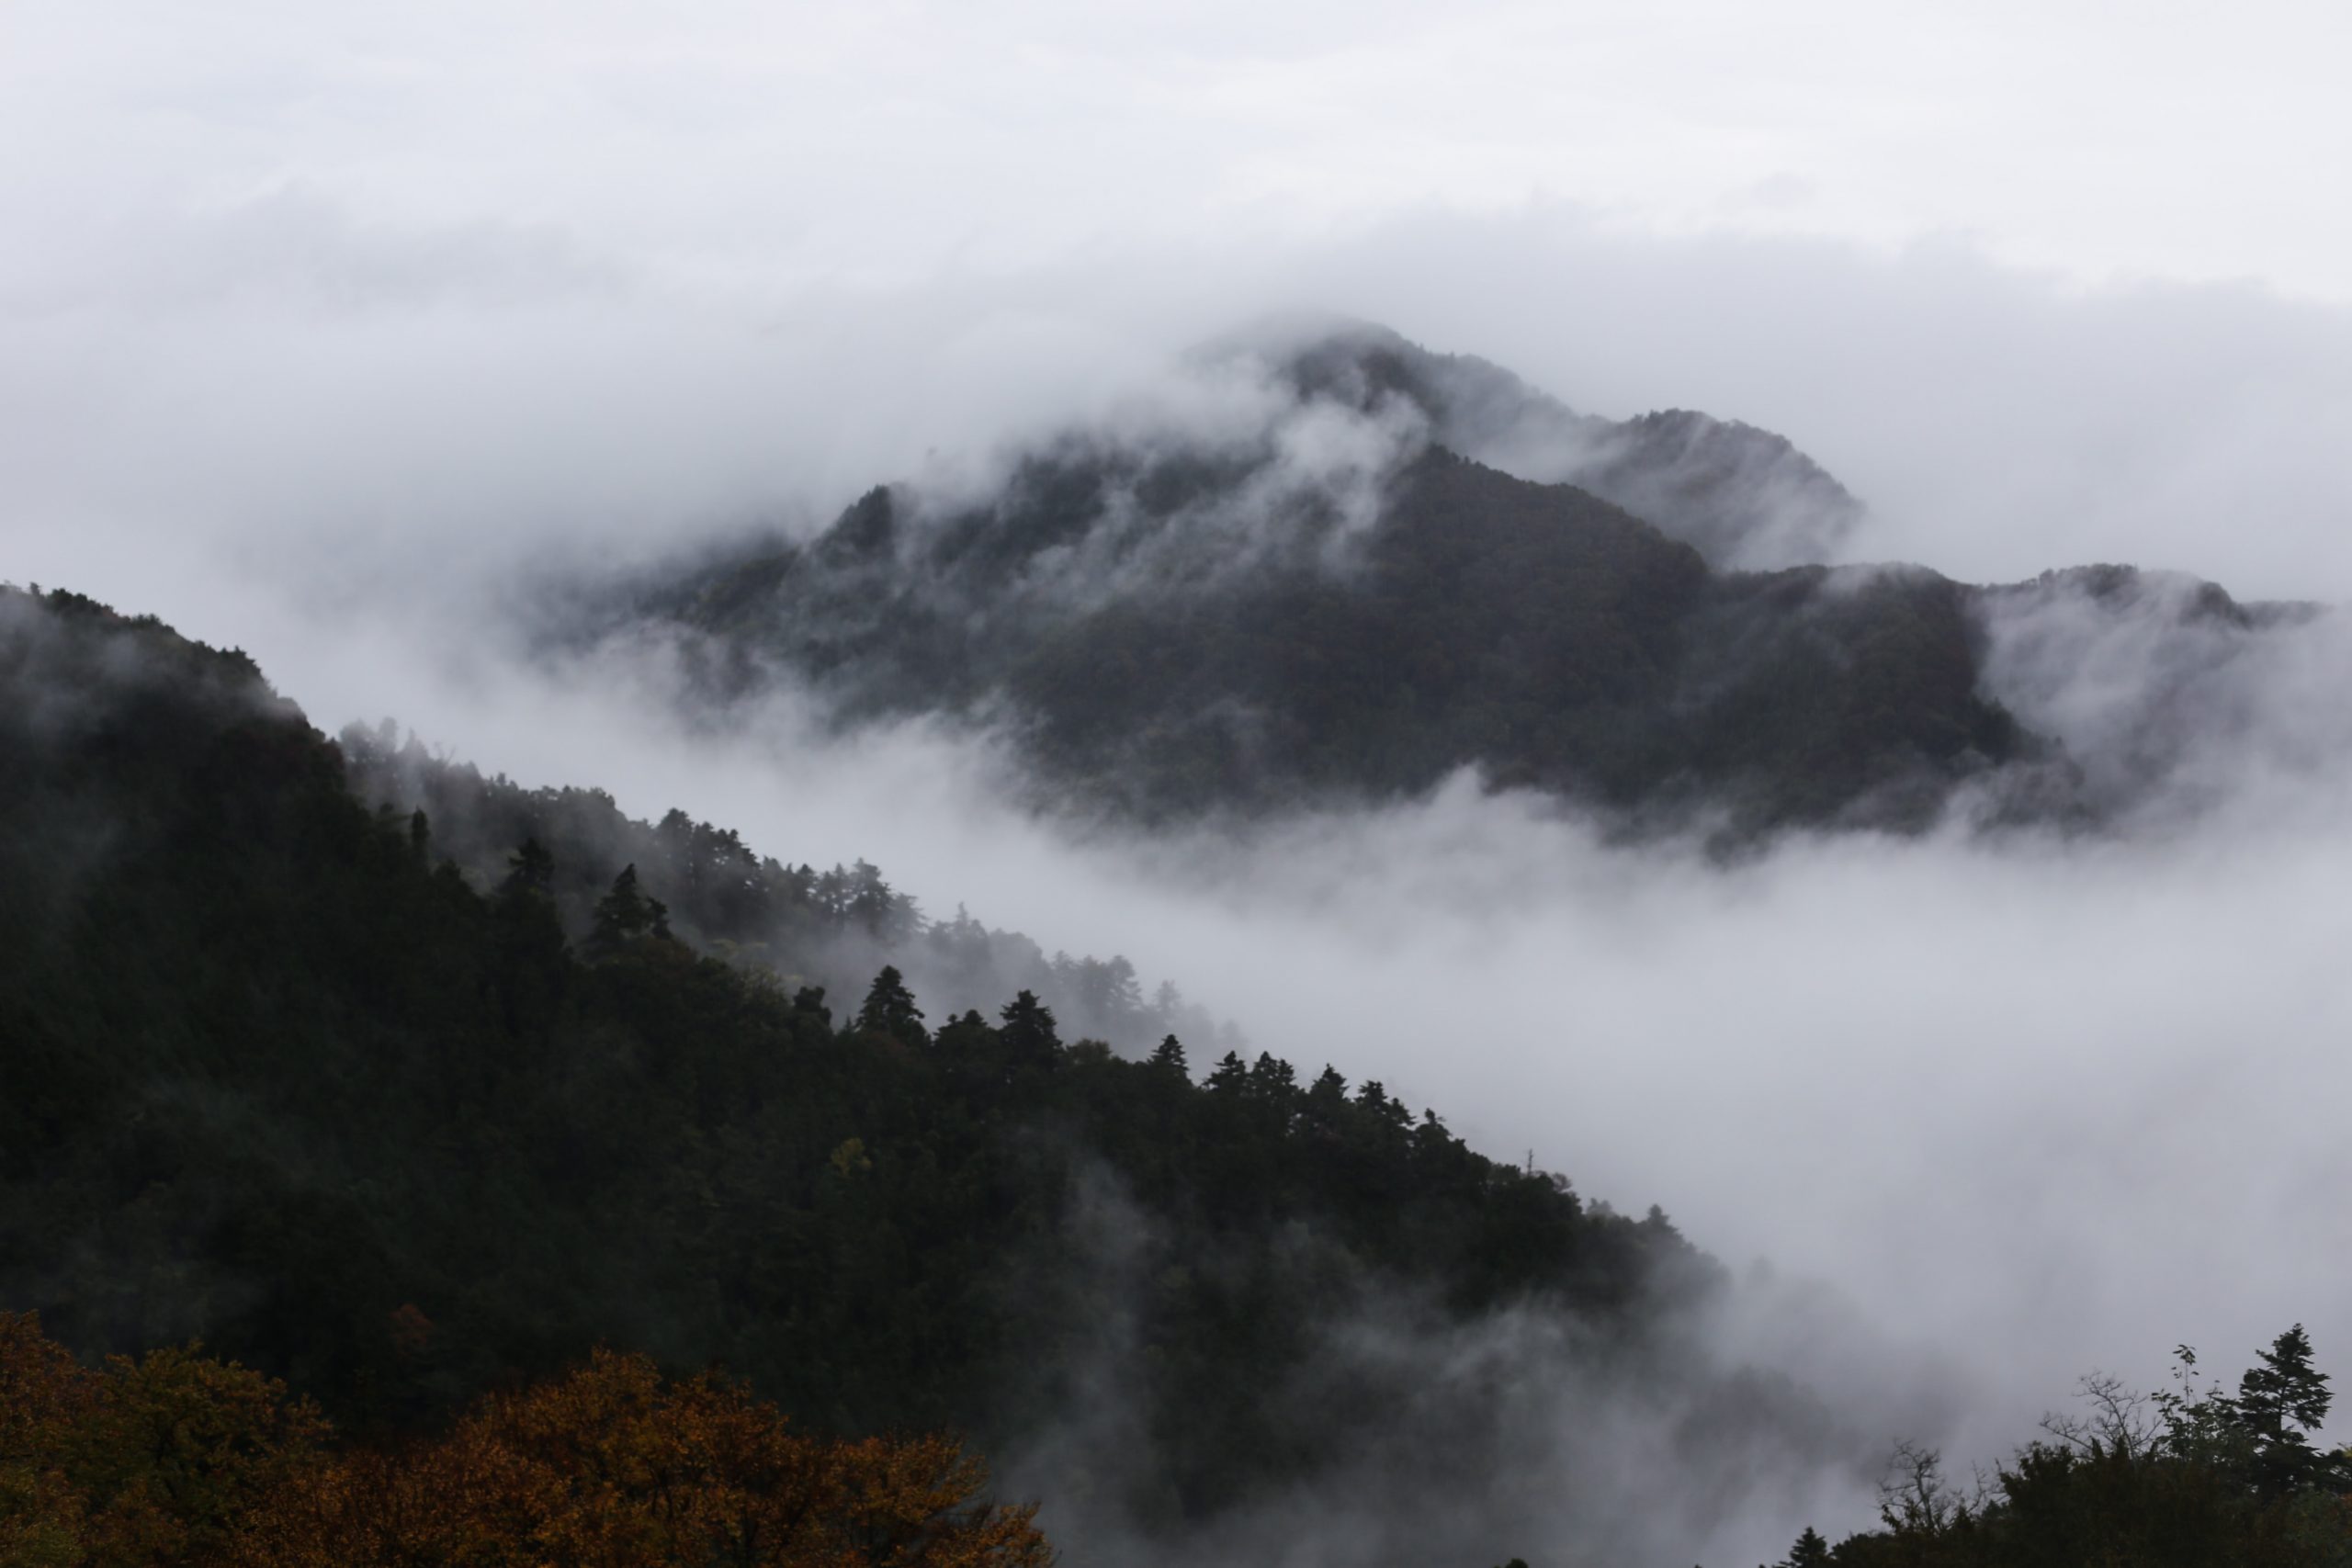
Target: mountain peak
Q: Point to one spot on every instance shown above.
(1745, 498)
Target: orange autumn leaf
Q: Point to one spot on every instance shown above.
(612, 1467)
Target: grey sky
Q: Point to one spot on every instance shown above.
(752, 148)
(2043, 283)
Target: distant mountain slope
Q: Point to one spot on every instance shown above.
(1299, 590)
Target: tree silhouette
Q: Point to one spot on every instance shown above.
(2281, 1400)
(1811, 1550)
(1029, 1039)
(626, 913)
(890, 1009)
(1168, 1057)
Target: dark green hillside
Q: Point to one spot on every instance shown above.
(274, 1073)
(834, 927)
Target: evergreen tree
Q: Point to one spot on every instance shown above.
(1230, 1075)
(1169, 1056)
(623, 915)
(1811, 1550)
(1272, 1078)
(1028, 1036)
(890, 1009)
(2281, 1399)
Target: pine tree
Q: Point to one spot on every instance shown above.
(1811, 1550)
(623, 915)
(1168, 1057)
(2280, 1401)
(1028, 1034)
(890, 1009)
(1230, 1077)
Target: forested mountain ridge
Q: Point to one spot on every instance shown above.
(833, 928)
(1316, 597)
(278, 1075)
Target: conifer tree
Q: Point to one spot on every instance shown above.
(1811, 1550)
(2281, 1400)
(1168, 1057)
(890, 1009)
(623, 915)
(1029, 1036)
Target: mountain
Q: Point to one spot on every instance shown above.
(281, 1075)
(1316, 579)
(1746, 499)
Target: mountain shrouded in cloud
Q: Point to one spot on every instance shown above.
(1744, 498)
(1331, 566)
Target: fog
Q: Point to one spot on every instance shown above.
(329, 346)
(1971, 1116)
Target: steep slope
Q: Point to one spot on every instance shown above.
(279, 1075)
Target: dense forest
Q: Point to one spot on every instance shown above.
(281, 1077)
(835, 928)
(1335, 605)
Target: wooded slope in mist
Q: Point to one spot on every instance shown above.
(281, 1076)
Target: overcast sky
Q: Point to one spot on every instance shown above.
(312, 315)
(759, 147)
(2043, 283)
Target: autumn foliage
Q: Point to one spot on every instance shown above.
(180, 1458)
